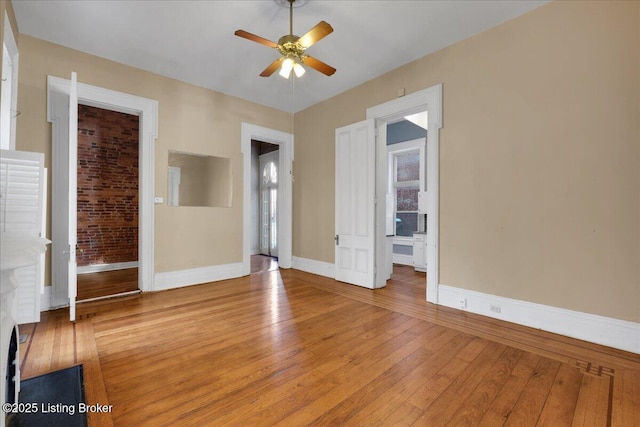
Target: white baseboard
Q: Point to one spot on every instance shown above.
(196, 276)
(315, 267)
(403, 259)
(616, 333)
(96, 268)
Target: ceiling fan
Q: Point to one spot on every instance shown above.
(292, 49)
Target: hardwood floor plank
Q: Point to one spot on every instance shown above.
(593, 402)
(439, 351)
(526, 411)
(477, 404)
(458, 389)
(501, 407)
(346, 382)
(626, 398)
(106, 283)
(291, 348)
(42, 347)
(95, 391)
(561, 402)
(557, 347)
(405, 414)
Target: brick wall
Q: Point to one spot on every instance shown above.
(107, 187)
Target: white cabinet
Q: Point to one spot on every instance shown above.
(420, 251)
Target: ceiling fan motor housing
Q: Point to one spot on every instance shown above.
(288, 46)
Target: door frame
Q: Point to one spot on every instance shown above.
(147, 110)
(284, 141)
(429, 100)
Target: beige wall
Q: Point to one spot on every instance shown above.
(191, 119)
(540, 158)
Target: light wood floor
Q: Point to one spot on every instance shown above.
(290, 348)
(260, 263)
(107, 283)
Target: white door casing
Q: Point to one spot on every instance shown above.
(72, 192)
(285, 144)
(355, 209)
(9, 93)
(429, 100)
(58, 94)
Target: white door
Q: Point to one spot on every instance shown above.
(355, 204)
(62, 112)
(269, 203)
(72, 268)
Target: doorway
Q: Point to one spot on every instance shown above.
(264, 206)
(107, 203)
(428, 100)
(284, 142)
(59, 96)
(406, 143)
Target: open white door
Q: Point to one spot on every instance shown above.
(73, 196)
(355, 204)
(62, 112)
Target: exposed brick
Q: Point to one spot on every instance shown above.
(107, 186)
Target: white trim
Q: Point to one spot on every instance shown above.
(14, 55)
(429, 99)
(616, 333)
(403, 240)
(196, 276)
(96, 268)
(403, 259)
(285, 142)
(147, 109)
(312, 266)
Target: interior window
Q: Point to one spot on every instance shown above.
(406, 183)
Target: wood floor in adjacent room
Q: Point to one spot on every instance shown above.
(289, 348)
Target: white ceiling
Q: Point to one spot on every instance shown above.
(193, 41)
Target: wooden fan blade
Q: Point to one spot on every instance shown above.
(272, 67)
(321, 30)
(318, 65)
(246, 35)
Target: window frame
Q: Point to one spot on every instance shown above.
(393, 151)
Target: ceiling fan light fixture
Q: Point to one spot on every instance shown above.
(292, 48)
(298, 69)
(287, 66)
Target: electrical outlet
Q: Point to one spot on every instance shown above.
(462, 302)
(495, 308)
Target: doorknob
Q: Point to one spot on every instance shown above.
(337, 239)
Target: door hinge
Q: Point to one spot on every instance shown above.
(337, 239)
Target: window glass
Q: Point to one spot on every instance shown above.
(270, 173)
(407, 199)
(408, 167)
(406, 224)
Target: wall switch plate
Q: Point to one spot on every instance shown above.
(159, 200)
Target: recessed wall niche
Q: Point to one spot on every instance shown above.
(199, 180)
